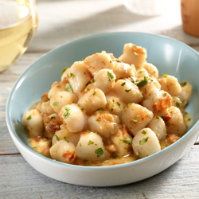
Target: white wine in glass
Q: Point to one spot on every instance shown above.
(18, 21)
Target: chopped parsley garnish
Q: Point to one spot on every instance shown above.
(183, 84)
(57, 138)
(127, 141)
(64, 69)
(69, 87)
(90, 142)
(143, 141)
(123, 83)
(178, 104)
(164, 94)
(29, 117)
(94, 93)
(118, 104)
(144, 132)
(71, 75)
(142, 82)
(110, 76)
(100, 109)
(99, 152)
(67, 112)
(127, 90)
(164, 75)
(92, 81)
(55, 103)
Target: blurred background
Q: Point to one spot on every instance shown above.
(64, 20)
(52, 23)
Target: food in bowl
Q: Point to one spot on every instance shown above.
(107, 110)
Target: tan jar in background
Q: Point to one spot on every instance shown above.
(190, 16)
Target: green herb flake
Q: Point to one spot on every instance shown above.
(127, 90)
(143, 141)
(164, 75)
(144, 132)
(90, 142)
(66, 113)
(118, 104)
(55, 103)
(110, 76)
(142, 82)
(100, 109)
(94, 93)
(183, 84)
(69, 87)
(99, 152)
(71, 75)
(123, 83)
(127, 141)
(164, 94)
(178, 104)
(64, 69)
(57, 138)
(29, 117)
(92, 81)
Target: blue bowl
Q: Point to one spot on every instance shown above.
(169, 55)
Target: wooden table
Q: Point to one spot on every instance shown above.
(62, 21)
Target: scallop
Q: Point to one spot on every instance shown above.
(73, 118)
(127, 91)
(60, 99)
(158, 126)
(136, 117)
(78, 76)
(41, 145)
(63, 151)
(170, 84)
(122, 141)
(133, 54)
(123, 70)
(145, 143)
(151, 69)
(104, 79)
(64, 134)
(115, 105)
(104, 123)
(90, 147)
(158, 101)
(92, 100)
(32, 119)
(98, 61)
(175, 122)
(186, 92)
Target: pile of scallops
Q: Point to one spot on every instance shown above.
(107, 108)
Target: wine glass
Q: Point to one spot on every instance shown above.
(18, 22)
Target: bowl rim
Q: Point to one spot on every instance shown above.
(29, 150)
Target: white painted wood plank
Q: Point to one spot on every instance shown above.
(20, 181)
(62, 21)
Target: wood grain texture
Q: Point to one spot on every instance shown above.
(20, 181)
(7, 80)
